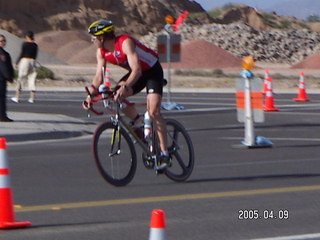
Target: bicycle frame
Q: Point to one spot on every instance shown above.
(119, 122)
(150, 149)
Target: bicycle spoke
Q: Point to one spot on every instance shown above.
(173, 137)
(180, 161)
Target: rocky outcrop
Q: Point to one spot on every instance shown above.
(289, 46)
(261, 20)
(243, 15)
(243, 30)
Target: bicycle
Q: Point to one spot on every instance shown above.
(114, 146)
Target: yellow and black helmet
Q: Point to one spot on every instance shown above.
(101, 27)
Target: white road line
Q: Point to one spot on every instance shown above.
(268, 162)
(293, 237)
(299, 113)
(278, 139)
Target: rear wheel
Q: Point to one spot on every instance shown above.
(114, 154)
(181, 151)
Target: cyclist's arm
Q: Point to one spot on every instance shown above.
(128, 48)
(97, 79)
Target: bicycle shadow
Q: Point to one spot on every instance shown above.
(257, 177)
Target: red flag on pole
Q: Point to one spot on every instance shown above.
(180, 20)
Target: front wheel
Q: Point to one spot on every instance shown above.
(181, 151)
(114, 154)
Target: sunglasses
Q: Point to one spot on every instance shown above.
(3, 40)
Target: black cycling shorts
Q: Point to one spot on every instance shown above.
(152, 79)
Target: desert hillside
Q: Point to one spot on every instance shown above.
(60, 29)
(132, 16)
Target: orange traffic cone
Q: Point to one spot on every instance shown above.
(6, 204)
(266, 81)
(269, 100)
(157, 225)
(302, 95)
(107, 78)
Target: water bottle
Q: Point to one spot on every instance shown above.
(123, 105)
(103, 88)
(147, 125)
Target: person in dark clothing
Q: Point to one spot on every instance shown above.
(6, 74)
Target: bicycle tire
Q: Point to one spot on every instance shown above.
(181, 151)
(117, 168)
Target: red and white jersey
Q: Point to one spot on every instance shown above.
(147, 56)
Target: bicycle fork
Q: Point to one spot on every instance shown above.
(115, 135)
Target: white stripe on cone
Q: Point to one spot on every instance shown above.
(4, 178)
(157, 234)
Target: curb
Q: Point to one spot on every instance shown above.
(26, 137)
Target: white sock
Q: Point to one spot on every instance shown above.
(165, 153)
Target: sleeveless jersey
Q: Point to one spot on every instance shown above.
(147, 56)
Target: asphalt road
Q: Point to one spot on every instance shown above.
(233, 193)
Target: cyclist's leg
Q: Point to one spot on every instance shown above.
(153, 104)
(154, 90)
(153, 80)
(130, 111)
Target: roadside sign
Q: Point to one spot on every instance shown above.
(174, 47)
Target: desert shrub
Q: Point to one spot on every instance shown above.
(215, 13)
(218, 73)
(268, 16)
(313, 18)
(285, 24)
(228, 6)
(304, 25)
(44, 73)
(201, 73)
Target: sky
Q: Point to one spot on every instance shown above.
(300, 9)
(263, 4)
(207, 4)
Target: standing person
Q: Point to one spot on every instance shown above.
(26, 63)
(6, 74)
(144, 70)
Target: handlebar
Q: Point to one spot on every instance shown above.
(99, 96)
(95, 98)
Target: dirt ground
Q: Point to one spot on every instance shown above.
(284, 78)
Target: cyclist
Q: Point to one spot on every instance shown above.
(144, 70)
